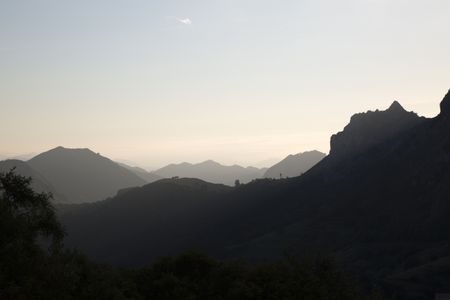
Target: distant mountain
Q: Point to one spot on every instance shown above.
(379, 202)
(212, 171)
(149, 177)
(294, 165)
(38, 183)
(82, 175)
(22, 157)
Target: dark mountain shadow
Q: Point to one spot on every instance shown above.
(295, 165)
(141, 224)
(379, 202)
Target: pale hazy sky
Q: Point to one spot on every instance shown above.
(237, 81)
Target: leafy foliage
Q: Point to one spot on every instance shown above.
(194, 276)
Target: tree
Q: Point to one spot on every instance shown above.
(27, 221)
(25, 215)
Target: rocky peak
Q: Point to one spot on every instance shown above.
(373, 127)
(396, 107)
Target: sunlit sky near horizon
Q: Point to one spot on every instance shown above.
(247, 82)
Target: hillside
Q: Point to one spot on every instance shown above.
(141, 224)
(379, 202)
(294, 165)
(81, 175)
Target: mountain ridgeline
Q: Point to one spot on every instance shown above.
(148, 177)
(82, 175)
(295, 165)
(367, 130)
(378, 202)
(211, 171)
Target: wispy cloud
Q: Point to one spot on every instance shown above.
(185, 21)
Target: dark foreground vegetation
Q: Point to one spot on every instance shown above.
(30, 270)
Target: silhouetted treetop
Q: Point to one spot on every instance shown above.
(25, 214)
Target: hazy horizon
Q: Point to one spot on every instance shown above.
(258, 164)
(238, 82)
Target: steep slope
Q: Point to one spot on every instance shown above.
(366, 130)
(211, 171)
(381, 206)
(38, 183)
(295, 165)
(367, 166)
(82, 175)
(148, 177)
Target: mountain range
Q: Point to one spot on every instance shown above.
(81, 175)
(211, 171)
(378, 202)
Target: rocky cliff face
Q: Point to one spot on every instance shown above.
(368, 129)
(445, 106)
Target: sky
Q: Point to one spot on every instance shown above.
(237, 81)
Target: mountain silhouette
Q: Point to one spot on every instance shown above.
(38, 182)
(211, 171)
(142, 223)
(378, 202)
(366, 130)
(295, 165)
(82, 175)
